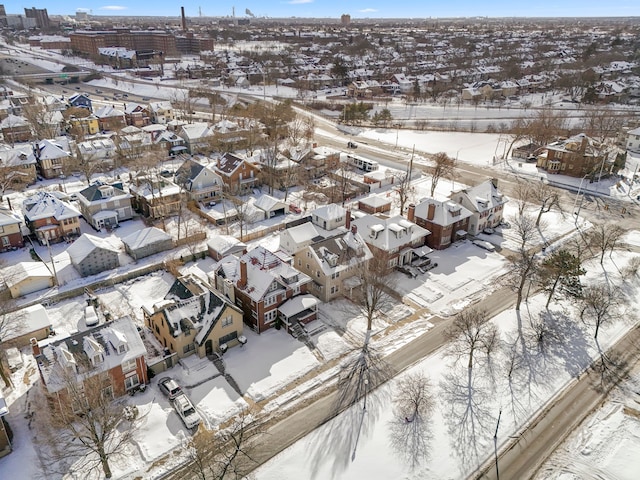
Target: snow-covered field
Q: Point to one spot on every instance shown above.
(459, 435)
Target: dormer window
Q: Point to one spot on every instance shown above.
(97, 359)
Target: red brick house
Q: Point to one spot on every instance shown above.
(50, 218)
(10, 231)
(576, 156)
(114, 348)
(447, 221)
(238, 175)
(268, 289)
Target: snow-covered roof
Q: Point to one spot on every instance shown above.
(22, 270)
(144, 237)
(298, 304)
(8, 218)
(389, 233)
(331, 211)
(482, 197)
(103, 338)
(190, 304)
(223, 243)
(445, 213)
(268, 203)
(46, 205)
(26, 321)
(86, 244)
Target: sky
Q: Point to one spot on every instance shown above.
(335, 8)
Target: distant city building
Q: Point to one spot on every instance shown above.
(345, 19)
(40, 15)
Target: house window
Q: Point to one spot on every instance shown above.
(227, 321)
(227, 338)
(270, 300)
(129, 365)
(189, 347)
(5, 241)
(107, 392)
(131, 381)
(98, 359)
(122, 348)
(270, 316)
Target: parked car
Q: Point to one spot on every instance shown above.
(186, 411)
(352, 145)
(484, 244)
(90, 316)
(489, 231)
(294, 208)
(169, 387)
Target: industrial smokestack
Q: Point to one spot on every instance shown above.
(184, 19)
(249, 13)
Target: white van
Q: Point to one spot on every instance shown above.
(90, 316)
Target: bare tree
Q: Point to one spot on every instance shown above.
(547, 196)
(605, 238)
(525, 228)
(522, 195)
(471, 332)
(603, 123)
(444, 167)
(40, 119)
(226, 453)
(598, 304)
(522, 271)
(404, 189)
(84, 427)
(413, 404)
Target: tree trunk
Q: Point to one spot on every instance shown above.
(597, 328)
(539, 216)
(470, 365)
(105, 466)
(553, 289)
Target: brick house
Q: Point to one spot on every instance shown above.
(238, 175)
(15, 129)
(110, 118)
(447, 221)
(49, 218)
(261, 283)
(137, 115)
(114, 348)
(193, 318)
(10, 231)
(576, 156)
(485, 202)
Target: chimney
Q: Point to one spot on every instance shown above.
(35, 348)
(354, 229)
(494, 181)
(431, 212)
(347, 221)
(184, 20)
(411, 213)
(243, 274)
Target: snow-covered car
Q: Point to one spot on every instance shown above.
(186, 411)
(90, 316)
(484, 244)
(169, 387)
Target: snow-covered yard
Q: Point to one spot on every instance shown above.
(459, 435)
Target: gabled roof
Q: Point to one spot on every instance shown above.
(49, 150)
(388, 233)
(482, 197)
(108, 111)
(225, 243)
(85, 245)
(23, 270)
(45, 205)
(443, 213)
(194, 131)
(7, 217)
(144, 237)
(268, 203)
(73, 351)
(229, 163)
(191, 304)
(18, 155)
(340, 252)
